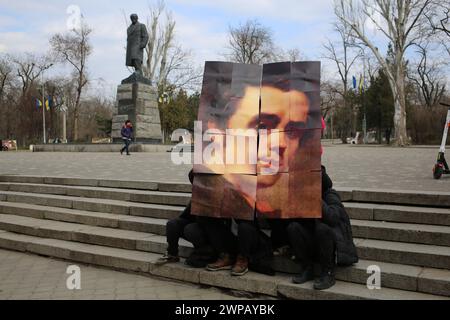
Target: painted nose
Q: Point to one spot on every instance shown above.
(282, 143)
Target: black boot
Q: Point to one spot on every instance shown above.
(325, 281)
(306, 274)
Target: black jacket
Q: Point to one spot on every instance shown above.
(186, 214)
(335, 216)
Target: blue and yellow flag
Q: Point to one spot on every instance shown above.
(361, 83)
(38, 103)
(48, 103)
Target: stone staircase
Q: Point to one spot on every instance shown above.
(121, 225)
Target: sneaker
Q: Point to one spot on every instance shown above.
(306, 274)
(325, 281)
(240, 267)
(167, 258)
(223, 263)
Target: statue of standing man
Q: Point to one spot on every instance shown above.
(137, 39)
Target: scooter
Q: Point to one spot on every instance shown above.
(441, 166)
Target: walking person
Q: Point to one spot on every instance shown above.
(127, 134)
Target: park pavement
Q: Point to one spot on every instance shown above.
(352, 166)
(29, 277)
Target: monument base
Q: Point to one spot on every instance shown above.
(139, 140)
(137, 102)
(106, 147)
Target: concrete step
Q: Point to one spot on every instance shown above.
(93, 204)
(404, 253)
(156, 197)
(395, 213)
(109, 183)
(393, 252)
(402, 232)
(130, 260)
(396, 197)
(99, 219)
(360, 211)
(414, 233)
(111, 237)
(403, 197)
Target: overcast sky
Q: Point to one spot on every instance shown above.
(202, 25)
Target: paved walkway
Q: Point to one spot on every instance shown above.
(24, 276)
(349, 166)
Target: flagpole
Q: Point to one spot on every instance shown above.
(43, 108)
(364, 100)
(64, 119)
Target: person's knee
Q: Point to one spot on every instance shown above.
(194, 234)
(323, 231)
(172, 226)
(293, 229)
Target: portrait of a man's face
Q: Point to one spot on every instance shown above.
(261, 128)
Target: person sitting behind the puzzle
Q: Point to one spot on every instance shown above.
(327, 241)
(185, 226)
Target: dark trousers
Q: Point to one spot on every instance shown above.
(249, 241)
(278, 235)
(127, 144)
(219, 235)
(312, 241)
(183, 228)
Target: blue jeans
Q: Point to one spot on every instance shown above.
(127, 144)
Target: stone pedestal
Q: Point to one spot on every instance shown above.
(138, 102)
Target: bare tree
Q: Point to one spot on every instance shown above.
(74, 48)
(343, 57)
(439, 23)
(329, 95)
(160, 40)
(251, 42)
(402, 23)
(292, 55)
(26, 124)
(5, 75)
(439, 18)
(30, 67)
(180, 70)
(428, 77)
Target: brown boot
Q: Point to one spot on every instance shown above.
(240, 267)
(223, 263)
